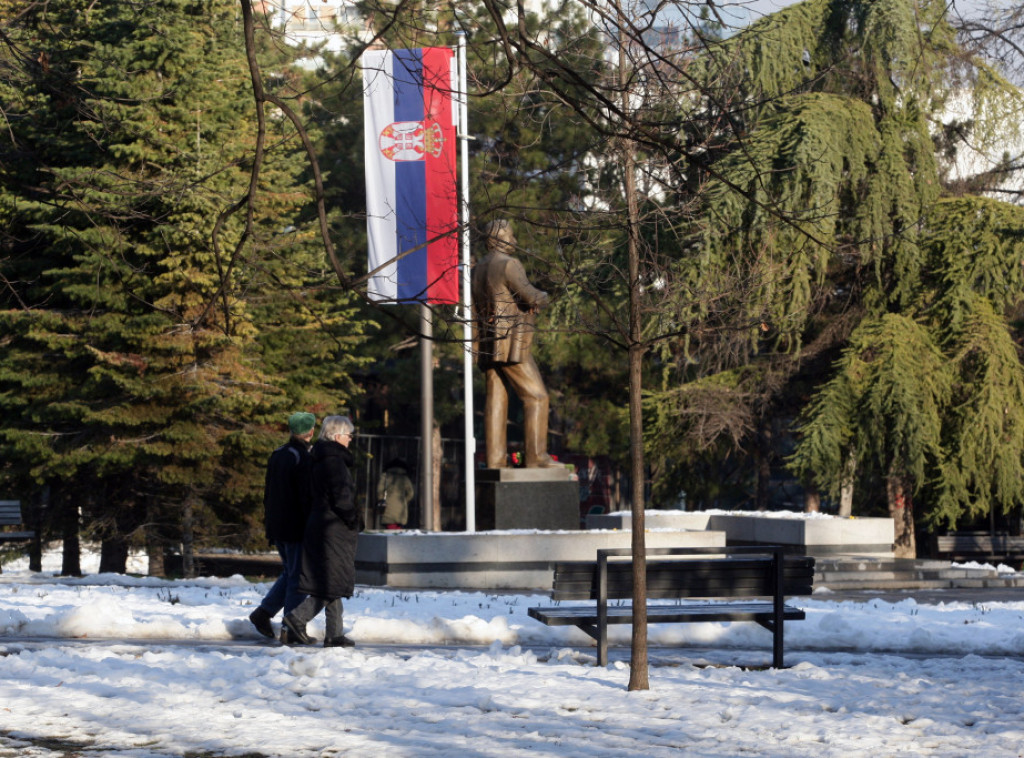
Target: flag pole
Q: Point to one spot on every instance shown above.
(427, 419)
(467, 297)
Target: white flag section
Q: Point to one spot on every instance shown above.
(411, 192)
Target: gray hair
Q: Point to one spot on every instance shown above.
(334, 426)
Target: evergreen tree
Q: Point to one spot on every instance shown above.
(151, 343)
(837, 239)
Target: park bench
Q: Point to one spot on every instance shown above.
(761, 576)
(983, 547)
(10, 516)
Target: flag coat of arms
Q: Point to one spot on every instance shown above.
(411, 192)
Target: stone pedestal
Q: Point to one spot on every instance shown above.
(526, 498)
(806, 534)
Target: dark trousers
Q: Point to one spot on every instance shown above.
(332, 608)
(284, 594)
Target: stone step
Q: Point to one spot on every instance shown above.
(946, 575)
(996, 581)
(881, 564)
(853, 572)
(852, 582)
(884, 584)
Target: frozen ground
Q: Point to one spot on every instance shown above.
(111, 665)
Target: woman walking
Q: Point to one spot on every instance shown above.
(328, 570)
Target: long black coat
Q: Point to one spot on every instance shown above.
(329, 547)
(286, 492)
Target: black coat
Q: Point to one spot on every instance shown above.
(286, 492)
(329, 548)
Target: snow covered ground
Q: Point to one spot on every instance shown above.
(146, 667)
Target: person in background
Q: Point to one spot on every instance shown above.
(286, 506)
(328, 570)
(395, 490)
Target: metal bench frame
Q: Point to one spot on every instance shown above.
(770, 613)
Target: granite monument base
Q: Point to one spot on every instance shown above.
(526, 498)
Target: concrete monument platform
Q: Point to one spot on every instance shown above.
(526, 498)
(822, 536)
(511, 560)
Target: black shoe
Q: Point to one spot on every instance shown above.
(296, 632)
(341, 641)
(261, 620)
(287, 638)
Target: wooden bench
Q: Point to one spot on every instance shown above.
(978, 546)
(10, 515)
(763, 576)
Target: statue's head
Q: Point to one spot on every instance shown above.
(500, 237)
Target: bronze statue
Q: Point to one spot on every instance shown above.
(505, 305)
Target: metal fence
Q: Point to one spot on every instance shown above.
(603, 486)
(374, 451)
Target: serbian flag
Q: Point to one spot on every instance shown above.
(411, 194)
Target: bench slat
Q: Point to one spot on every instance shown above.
(563, 615)
(16, 536)
(686, 578)
(978, 546)
(10, 512)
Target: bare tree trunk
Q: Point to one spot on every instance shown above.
(638, 663)
(40, 524)
(812, 499)
(115, 546)
(155, 553)
(155, 544)
(114, 555)
(71, 558)
(764, 465)
(188, 564)
(902, 511)
(846, 487)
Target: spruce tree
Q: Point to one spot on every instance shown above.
(152, 337)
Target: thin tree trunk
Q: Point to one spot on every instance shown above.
(71, 558)
(40, 525)
(155, 554)
(812, 499)
(638, 664)
(764, 466)
(902, 512)
(188, 565)
(846, 487)
(155, 544)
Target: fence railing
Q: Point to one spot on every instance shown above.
(373, 453)
(603, 487)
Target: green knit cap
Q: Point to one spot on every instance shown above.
(301, 422)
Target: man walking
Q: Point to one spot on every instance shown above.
(286, 505)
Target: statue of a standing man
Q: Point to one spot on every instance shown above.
(505, 305)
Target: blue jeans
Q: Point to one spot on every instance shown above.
(285, 591)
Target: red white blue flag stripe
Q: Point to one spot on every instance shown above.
(411, 193)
